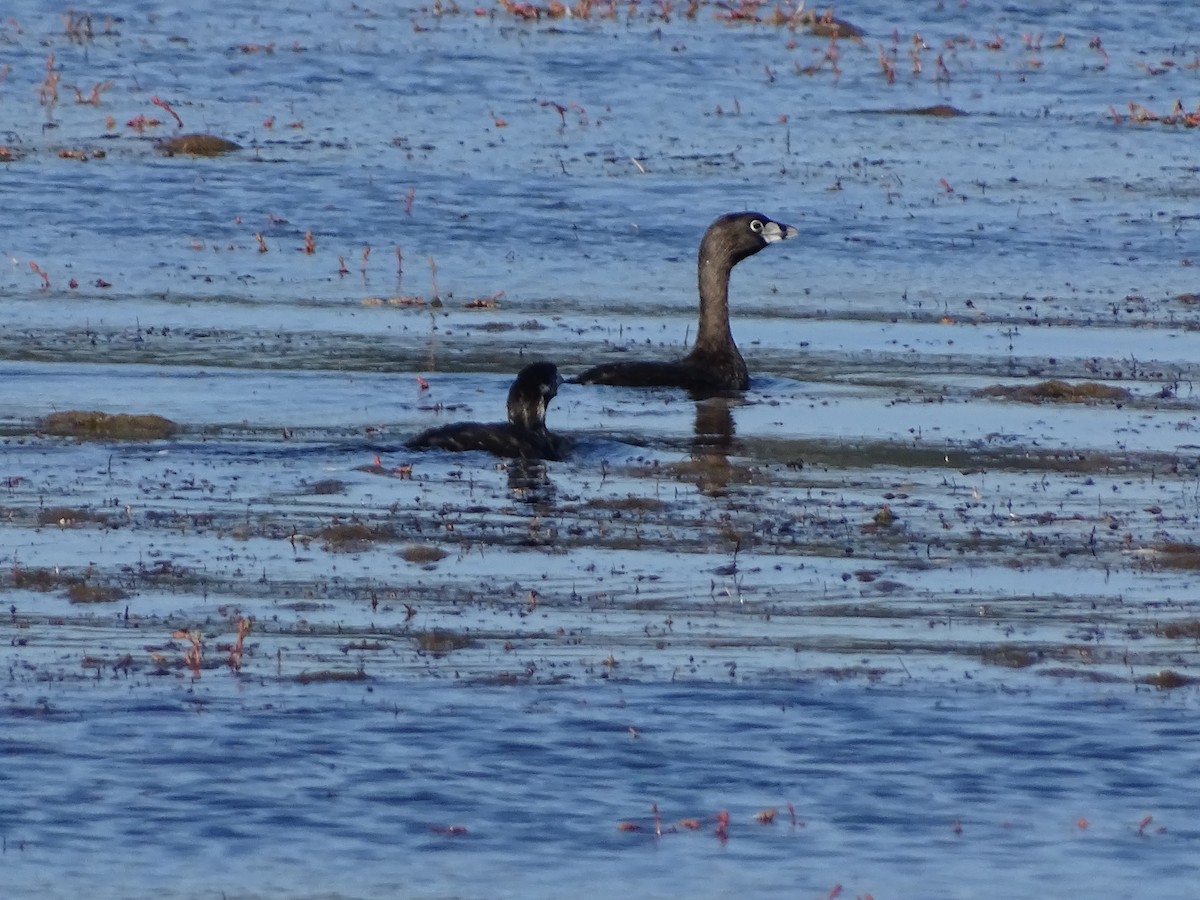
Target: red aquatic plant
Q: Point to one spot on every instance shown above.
(239, 646)
(164, 105)
(37, 270)
(193, 657)
(722, 831)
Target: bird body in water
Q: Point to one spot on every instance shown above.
(714, 363)
(523, 436)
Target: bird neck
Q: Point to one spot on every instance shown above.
(714, 269)
(526, 413)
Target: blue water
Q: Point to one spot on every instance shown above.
(917, 791)
(700, 609)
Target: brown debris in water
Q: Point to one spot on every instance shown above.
(81, 155)
(628, 504)
(66, 516)
(81, 592)
(77, 588)
(824, 24)
(439, 642)
(197, 145)
(937, 111)
(327, 486)
(1188, 630)
(885, 517)
(353, 537)
(1009, 657)
(43, 580)
(1177, 555)
(330, 676)
(1167, 680)
(101, 426)
(423, 554)
(1055, 391)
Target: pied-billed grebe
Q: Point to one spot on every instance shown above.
(714, 364)
(523, 436)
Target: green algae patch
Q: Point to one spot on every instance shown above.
(101, 426)
(197, 145)
(1055, 391)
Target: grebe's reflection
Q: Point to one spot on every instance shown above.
(529, 482)
(712, 442)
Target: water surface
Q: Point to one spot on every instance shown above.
(956, 632)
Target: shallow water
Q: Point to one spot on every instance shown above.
(707, 607)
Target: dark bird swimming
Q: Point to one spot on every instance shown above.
(523, 436)
(714, 363)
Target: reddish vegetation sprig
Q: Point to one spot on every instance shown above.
(239, 646)
(563, 110)
(943, 72)
(92, 99)
(484, 302)
(77, 28)
(37, 270)
(163, 105)
(408, 201)
(193, 657)
(310, 243)
(140, 123)
(722, 831)
(1141, 115)
(888, 65)
(48, 89)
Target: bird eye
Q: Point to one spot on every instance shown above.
(756, 226)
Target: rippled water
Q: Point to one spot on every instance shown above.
(470, 679)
